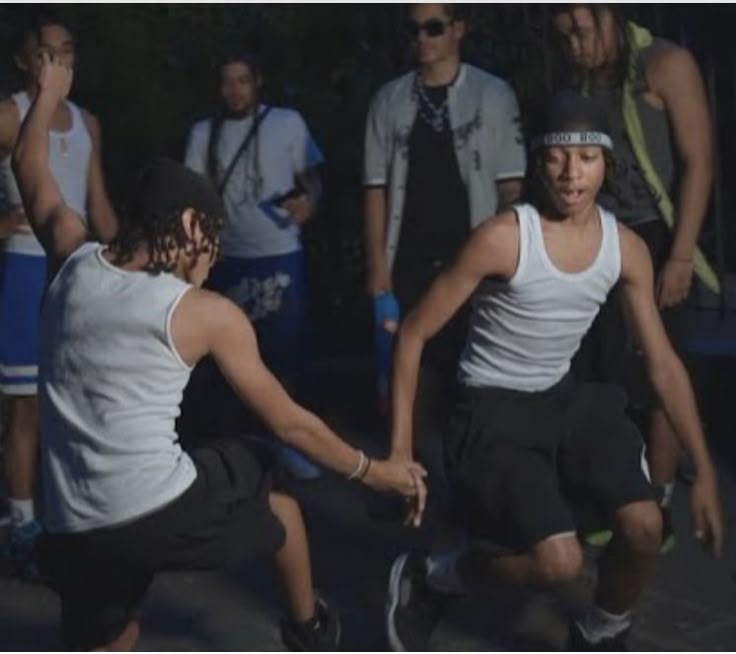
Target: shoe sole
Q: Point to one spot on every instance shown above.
(392, 603)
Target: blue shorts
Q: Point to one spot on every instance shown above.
(272, 291)
(22, 283)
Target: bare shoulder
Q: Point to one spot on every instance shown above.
(634, 252)
(672, 65)
(498, 232)
(208, 309)
(204, 323)
(495, 242)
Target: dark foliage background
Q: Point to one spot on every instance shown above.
(147, 72)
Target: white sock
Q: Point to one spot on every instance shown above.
(21, 511)
(442, 573)
(669, 489)
(597, 624)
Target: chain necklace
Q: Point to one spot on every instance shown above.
(435, 116)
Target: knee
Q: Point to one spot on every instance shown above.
(640, 527)
(558, 560)
(284, 505)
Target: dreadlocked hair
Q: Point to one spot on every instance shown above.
(580, 78)
(232, 56)
(165, 239)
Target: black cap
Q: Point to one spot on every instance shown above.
(167, 186)
(567, 111)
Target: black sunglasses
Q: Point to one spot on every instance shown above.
(432, 27)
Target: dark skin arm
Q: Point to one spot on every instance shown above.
(672, 384)
(207, 323)
(490, 251)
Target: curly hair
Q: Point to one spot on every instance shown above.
(165, 239)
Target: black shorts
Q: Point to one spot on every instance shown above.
(609, 353)
(519, 462)
(102, 575)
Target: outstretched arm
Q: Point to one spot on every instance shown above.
(206, 323)
(58, 228)
(492, 250)
(672, 384)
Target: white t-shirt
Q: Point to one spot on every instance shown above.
(282, 149)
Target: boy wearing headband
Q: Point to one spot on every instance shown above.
(443, 151)
(524, 435)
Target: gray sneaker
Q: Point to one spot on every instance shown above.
(413, 609)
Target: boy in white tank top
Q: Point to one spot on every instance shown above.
(526, 440)
(106, 539)
(74, 158)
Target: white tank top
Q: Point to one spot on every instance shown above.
(110, 386)
(69, 154)
(524, 331)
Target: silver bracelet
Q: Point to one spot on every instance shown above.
(359, 469)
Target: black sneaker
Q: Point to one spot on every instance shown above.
(577, 642)
(668, 532)
(413, 609)
(319, 634)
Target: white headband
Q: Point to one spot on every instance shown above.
(563, 139)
